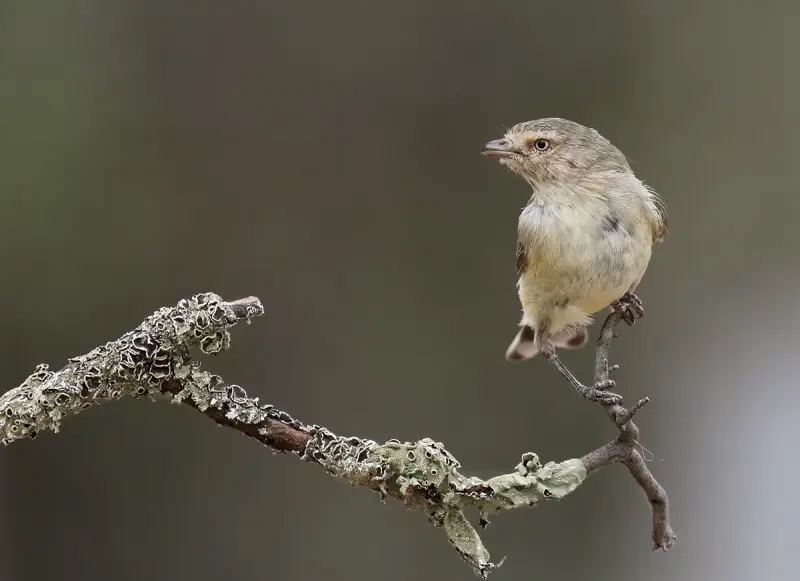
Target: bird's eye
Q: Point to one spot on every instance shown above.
(541, 144)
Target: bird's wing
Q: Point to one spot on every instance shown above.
(658, 219)
(522, 258)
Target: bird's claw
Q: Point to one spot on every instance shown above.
(600, 393)
(605, 385)
(630, 308)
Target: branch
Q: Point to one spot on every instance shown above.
(155, 360)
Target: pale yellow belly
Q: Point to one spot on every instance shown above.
(538, 304)
(593, 303)
(574, 272)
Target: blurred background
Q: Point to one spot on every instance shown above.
(324, 156)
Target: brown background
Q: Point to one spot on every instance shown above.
(324, 157)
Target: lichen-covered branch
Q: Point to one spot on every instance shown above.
(155, 360)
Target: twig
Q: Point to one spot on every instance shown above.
(154, 360)
(624, 448)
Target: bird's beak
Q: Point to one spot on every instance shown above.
(498, 148)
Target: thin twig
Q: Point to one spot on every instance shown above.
(624, 448)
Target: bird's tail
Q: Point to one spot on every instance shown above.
(524, 344)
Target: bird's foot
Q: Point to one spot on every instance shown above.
(598, 393)
(630, 308)
(601, 393)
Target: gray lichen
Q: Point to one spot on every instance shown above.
(137, 364)
(425, 476)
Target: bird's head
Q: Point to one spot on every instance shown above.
(555, 151)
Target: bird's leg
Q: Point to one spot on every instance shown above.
(630, 308)
(598, 393)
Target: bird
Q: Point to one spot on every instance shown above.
(584, 239)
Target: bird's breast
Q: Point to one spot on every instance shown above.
(577, 255)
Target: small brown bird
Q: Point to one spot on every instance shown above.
(584, 238)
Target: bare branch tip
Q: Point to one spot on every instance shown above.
(627, 416)
(665, 541)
